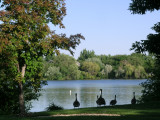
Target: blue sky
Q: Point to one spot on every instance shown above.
(107, 25)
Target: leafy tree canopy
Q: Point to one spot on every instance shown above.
(61, 67)
(85, 54)
(96, 60)
(90, 67)
(25, 37)
(142, 6)
(151, 45)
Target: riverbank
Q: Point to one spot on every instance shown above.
(150, 111)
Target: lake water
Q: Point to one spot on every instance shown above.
(62, 93)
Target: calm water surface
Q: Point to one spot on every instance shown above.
(87, 90)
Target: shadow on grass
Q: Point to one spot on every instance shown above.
(86, 118)
(104, 118)
(140, 109)
(149, 111)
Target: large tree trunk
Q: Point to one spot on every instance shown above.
(21, 93)
(21, 99)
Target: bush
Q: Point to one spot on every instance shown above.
(52, 107)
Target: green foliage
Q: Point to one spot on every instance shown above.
(106, 59)
(140, 72)
(87, 75)
(68, 67)
(151, 91)
(73, 72)
(90, 67)
(151, 46)
(9, 94)
(7, 91)
(61, 67)
(152, 86)
(8, 87)
(85, 54)
(134, 66)
(142, 6)
(53, 107)
(107, 69)
(149, 64)
(128, 66)
(25, 38)
(136, 59)
(120, 72)
(96, 60)
(53, 73)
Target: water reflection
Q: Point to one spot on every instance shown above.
(62, 93)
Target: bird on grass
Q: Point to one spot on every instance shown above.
(76, 103)
(97, 101)
(133, 101)
(100, 101)
(113, 102)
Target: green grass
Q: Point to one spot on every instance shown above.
(150, 111)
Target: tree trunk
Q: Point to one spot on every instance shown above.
(21, 93)
(21, 99)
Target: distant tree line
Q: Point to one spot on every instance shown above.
(92, 66)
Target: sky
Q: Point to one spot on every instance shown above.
(107, 25)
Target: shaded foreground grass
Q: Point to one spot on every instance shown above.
(150, 111)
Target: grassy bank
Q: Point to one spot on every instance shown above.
(150, 111)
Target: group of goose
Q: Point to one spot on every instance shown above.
(101, 101)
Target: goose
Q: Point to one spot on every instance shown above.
(113, 102)
(133, 101)
(97, 101)
(76, 102)
(101, 100)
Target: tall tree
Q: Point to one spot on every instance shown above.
(96, 60)
(68, 67)
(142, 6)
(151, 45)
(90, 67)
(107, 69)
(25, 37)
(85, 54)
(53, 73)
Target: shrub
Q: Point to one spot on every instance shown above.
(52, 107)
